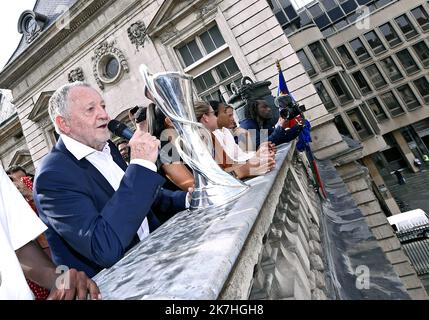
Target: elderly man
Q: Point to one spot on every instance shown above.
(20, 256)
(95, 206)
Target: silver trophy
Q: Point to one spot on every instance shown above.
(172, 92)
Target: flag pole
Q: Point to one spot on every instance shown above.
(303, 136)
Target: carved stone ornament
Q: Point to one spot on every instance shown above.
(31, 24)
(76, 75)
(168, 34)
(137, 34)
(104, 53)
(210, 6)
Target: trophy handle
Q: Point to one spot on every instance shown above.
(150, 85)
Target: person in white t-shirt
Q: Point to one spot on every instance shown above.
(20, 255)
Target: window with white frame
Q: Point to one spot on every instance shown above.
(208, 59)
(200, 46)
(218, 80)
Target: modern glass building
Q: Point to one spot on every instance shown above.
(369, 61)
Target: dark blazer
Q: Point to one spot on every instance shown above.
(276, 135)
(90, 226)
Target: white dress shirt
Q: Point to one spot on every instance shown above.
(231, 148)
(103, 162)
(19, 225)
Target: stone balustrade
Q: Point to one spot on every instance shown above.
(278, 241)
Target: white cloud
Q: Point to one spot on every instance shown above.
(10, 12)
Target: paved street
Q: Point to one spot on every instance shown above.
(415, 193)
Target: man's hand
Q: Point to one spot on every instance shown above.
(76, 285)
(144, 146)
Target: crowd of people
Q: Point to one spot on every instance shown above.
(90, 200)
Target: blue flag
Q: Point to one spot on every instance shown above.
(283, 89)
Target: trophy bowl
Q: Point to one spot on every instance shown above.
(172, 93)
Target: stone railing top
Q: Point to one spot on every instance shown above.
(192, 254)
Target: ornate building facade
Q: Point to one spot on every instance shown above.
(103, 42)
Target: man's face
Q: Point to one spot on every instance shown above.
(222, 117)
(16, 176)
(231, 120)
(123, 149)
(264, 110)
(88, 119)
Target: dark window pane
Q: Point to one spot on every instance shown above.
(217, 37)
(304, 18)
(422, 52)
(341, 24)
(362, 2)
(214, 96)
(195, 51)
(290, 12)
(349, 6)
(341, 126)
(374, 42)
(322, 21)
(359, 49)
(227, 69)
(359, 123)
(320, 55)
(375, 76)
(199, 84)
(340, 89)
(390, 34)
(381, 3)
(222, 71)
(406, 27)
(361, 82)
(112, 68)
(392, 104)
(422, 86)
(422, 17)
(336, 14)
(186, 56)
(204, 82)
(408, 97)
(407, 61)
(281, 18)
(324, 96)
(346, 56)
(231, 66)
(376, 108)
(306, 63)
(352, 17)
(329, 4)
(207, 42)
(391, 69)
(315, 10)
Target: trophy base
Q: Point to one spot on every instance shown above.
(215, 196)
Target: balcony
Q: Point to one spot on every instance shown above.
(278, 241)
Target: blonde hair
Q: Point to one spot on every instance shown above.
(201, 108)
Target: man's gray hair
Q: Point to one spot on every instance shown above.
(59, 104)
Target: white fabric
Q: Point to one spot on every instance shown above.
(232, 149)
(104, 163)
(18, 226)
